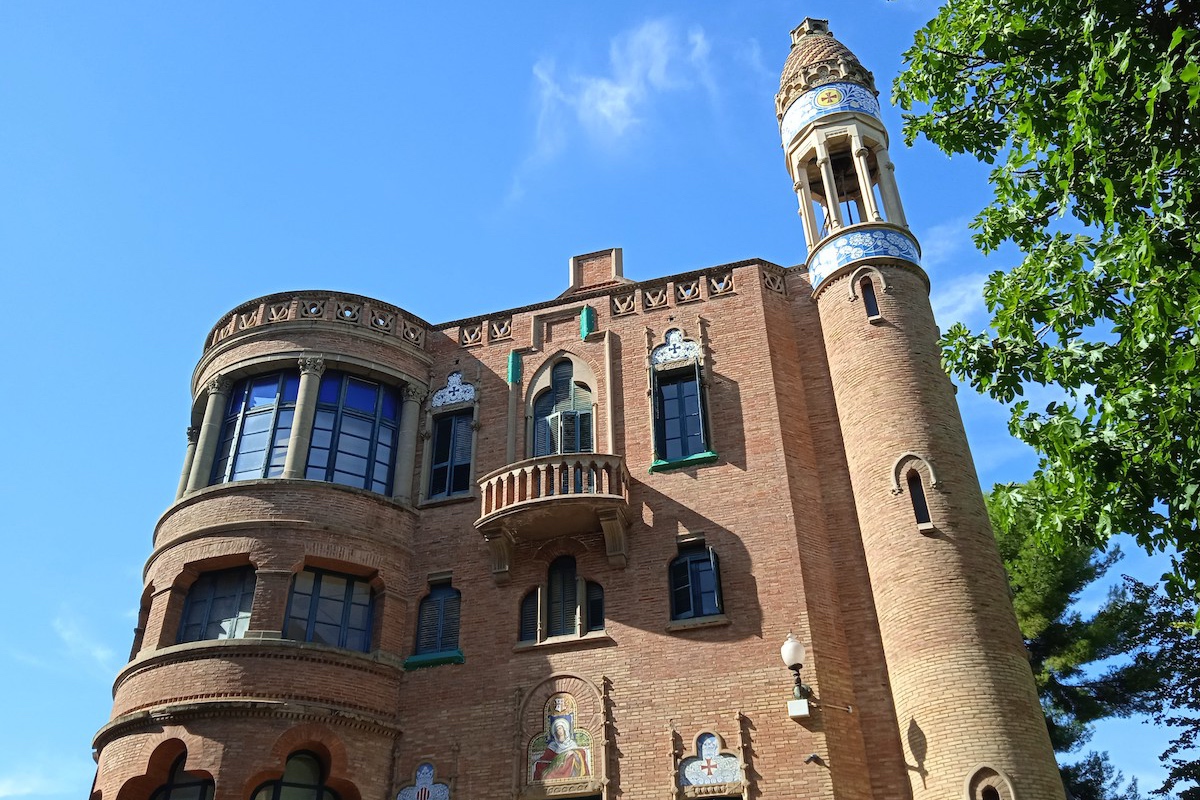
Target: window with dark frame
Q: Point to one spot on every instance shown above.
(256, 428)
(450, 468)
(695, 579)
(562, 414)
(330, 608)
(354, 433)
(438, 620)
(218, 606)
(303, 779)
(181, 786)
(680, 429)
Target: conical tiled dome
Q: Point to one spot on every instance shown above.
(817, 58)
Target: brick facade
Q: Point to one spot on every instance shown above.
(815, 417)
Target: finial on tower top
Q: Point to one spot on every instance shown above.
(808, 27)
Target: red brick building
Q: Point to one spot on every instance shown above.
(555, 550)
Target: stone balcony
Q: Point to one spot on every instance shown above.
(557, 495)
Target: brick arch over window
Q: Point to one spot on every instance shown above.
(321, 742)
(987, 783)
(158, 769)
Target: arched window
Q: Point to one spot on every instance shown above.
(181, 786)
(258, 423)
(916, 492)
(330, 608)
(354, 433)
(989, 793)
(695, 578)
(562, 415)
(572, 606)
(218, 606)
(437, 620)
(302, 779)
(866, 287)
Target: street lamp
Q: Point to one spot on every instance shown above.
(792, 654)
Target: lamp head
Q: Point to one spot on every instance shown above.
(792, 652)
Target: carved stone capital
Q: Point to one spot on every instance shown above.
(312, 365)
(415, 394)
(218, 385)
(193, 434)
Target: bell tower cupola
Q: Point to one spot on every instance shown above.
(837, 154)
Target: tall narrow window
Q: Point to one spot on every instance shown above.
(450, 471)
(354, 433)
(330, 608)
(695, 584)
(181, 786)
(679, 424)
(916, 491)
(563, 605)
(562, 415)
(303, 779)
(529, 617)
(258, 423)
(594, 609)
(218, 606)
(866, 288)
(437, 620)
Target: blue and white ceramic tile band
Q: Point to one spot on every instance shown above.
(831, 98)
(852, 246)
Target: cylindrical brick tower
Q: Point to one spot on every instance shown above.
(270, 641)
(965, 700)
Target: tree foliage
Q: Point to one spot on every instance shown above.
(1169, 634)
(1088, 110)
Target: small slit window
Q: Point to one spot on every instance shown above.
(916, 492)
(866, 288)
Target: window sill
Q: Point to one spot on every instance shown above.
(707, 457)
(434, 659)
(711, 621)
(591, 638)
(927, 528)
(448, 501)
(875, 319)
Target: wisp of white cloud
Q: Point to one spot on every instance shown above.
(959, 299)
(646, 61)
(81, 644)
(46, 777)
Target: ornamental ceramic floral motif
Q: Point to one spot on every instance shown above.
(676, 348)
(710, 766)
(850, 247)
(823, 100)
(455, 391)
(425, 788)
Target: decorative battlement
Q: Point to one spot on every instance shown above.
(320, 307)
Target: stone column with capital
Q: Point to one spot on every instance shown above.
(296, 461)
(888, 188)
(193, 433)
(406, 453)
(210, 432)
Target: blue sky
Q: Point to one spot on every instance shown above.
(161, 163)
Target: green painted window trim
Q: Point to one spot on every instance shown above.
(587, 322)
(435, 659)
(707, 457)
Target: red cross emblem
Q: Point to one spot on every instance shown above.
(709, 767)
(829, 97)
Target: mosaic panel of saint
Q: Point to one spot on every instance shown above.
(561, 751)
